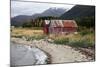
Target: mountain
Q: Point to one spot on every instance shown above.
(19, 20)
(54, 12)
(79, 11)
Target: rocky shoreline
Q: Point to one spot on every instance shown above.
(56, 53)
(26, 55)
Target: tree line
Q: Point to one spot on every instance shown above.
(88, 22)
(38, 22)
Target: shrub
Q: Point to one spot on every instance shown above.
(85, 32)
(76, 41)
(17, 36)
(84, 43)
(27, 24)
(61, 40)
(35, 37)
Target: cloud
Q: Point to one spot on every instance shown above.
(29, 8)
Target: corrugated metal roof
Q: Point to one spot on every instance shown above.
(61, 23)
(69, 23)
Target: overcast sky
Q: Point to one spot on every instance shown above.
(88, 2)
(29, 8)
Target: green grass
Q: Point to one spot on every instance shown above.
(82, 43)
(82, 39)
(17, 36)
(85, 38)
(38, 37)
(61, 41)
(30, 38)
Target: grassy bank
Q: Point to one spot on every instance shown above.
(27, 33)
(84, 39)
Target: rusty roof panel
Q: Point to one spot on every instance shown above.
(62, 23)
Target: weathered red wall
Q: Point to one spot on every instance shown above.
(60, 30)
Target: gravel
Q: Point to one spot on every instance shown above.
(58, 53)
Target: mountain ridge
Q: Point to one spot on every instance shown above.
(20, 19)
(79, 11)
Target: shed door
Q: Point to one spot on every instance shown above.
(46, 30)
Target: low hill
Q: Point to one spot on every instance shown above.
(21, 19)
(79, 11)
